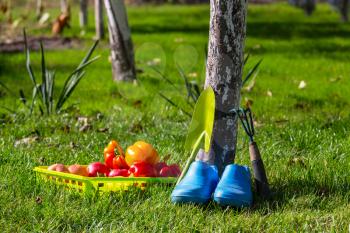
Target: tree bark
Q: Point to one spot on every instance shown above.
(344, 9)
(64, 6)
(39, 8)
(224, 74)
(122, 52)
(100, 33)
(83, 13)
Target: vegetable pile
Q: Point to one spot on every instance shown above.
(139, 160)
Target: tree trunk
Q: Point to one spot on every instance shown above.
(224, 74)
(64, 6)
(122, 52)
(83, 13)
(100, 33)
(39, 8)
(344, 9)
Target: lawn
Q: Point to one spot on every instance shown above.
(303, 133)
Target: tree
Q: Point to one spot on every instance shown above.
(99, 19)
(83, 13)
(122, 52)
(224, 74)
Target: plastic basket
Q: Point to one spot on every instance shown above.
(85, 184)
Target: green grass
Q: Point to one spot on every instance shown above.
(303, 134)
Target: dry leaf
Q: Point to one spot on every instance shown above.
(302, 84)
(179, 40)
(250, 87)
(269, 93)
(154, 62)
(38, 200)
(336, 79)
(193, 75)
(26, 141)
(102, 130)
(248, 102)
(297, 161)
(85, 128)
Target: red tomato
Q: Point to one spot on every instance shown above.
(119, 172)
(119, 162)
(97, 169)
(143, 169)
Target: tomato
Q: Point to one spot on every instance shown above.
(119, 172)
(143, 169)
(119, 162)
(141, 152)
(109, 157)
(166, 172)
(115, 145)
(78, 170)
(97, 169)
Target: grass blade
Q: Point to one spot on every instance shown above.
(251, 72)
(174, 104)
(246, 58)
(22, 97)
(88, 55)
(44, 79)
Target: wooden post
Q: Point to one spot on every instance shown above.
(122, 52)
(83, 13)
(100, 33)
(39, 8)
(224, 74)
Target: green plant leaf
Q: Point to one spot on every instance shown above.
(251, 72)
(202, 120)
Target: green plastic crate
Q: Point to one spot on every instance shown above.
(85, 184)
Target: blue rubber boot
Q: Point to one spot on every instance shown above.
(198, 184)
(234, 188)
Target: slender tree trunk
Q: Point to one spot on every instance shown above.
(344, 9)
(83, 13)
(224, 74)
(39, 8)
(122, 52)
(100, 33)
(64, 6)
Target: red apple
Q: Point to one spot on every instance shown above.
(119, 172)
(97, 169)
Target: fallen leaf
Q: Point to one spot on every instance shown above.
(251, 85)
(26, 141)
(269, 93)
(85, 128)
(179, 40)
(102, 130)
(136, 128)
(154, 62)
(41, 160)
(193, 75)
(44, 18)
(336, 79)
(38, 200)
(72, 145)
(302, 84)
(297, 161)
(248, 102)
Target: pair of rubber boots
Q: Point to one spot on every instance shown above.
(202, 182)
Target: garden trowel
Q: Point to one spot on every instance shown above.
(260, 178)
(201, 126)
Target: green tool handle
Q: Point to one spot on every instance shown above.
(261, 183)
